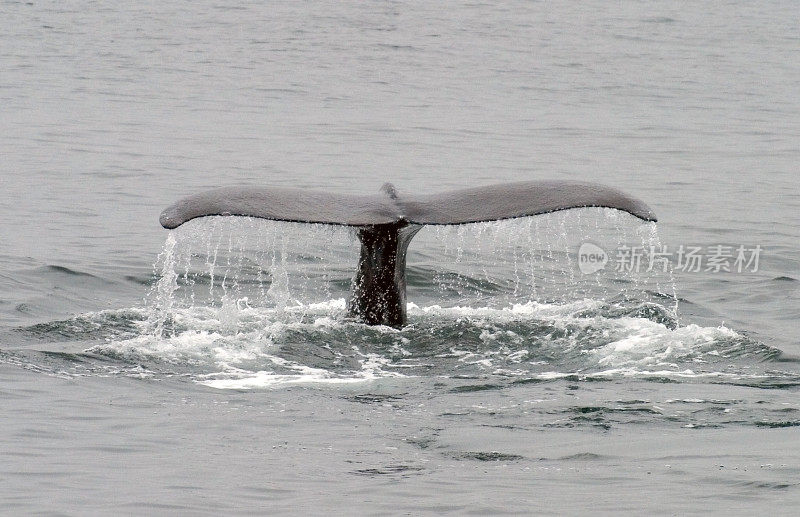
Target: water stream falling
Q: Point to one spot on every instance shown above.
(233, 263)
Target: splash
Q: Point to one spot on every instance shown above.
(228, 262)
(243, 303)
(584, 340)
(166, 286)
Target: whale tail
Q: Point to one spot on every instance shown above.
(387, 222)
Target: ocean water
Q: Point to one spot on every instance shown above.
(211, 369)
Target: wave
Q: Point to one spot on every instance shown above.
(236, 346)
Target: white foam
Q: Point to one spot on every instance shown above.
(240, 342)
(371, 371)
(645, 342)
(519, 311)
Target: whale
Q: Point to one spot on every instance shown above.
(386, 222)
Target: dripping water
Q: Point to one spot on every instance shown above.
(250, 263)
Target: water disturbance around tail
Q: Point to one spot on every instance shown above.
(243, 303)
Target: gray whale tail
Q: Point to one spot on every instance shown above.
(387, 222)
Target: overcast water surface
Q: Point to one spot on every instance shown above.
(211, 370)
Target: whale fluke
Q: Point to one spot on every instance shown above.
(510, 200)
(491, 203)
(387, 222)
(283, 204)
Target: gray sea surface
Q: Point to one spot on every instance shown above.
(212, 369)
